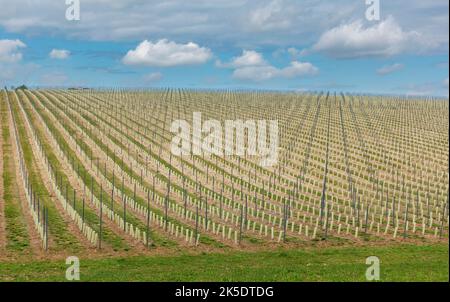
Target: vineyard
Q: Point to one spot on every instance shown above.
(91, 172)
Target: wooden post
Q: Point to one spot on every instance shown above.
(39, 210)
(148, 218)
(284, 220)
(46, 229)
(240, 225)
(166, 206)
(406, 220)
(184, 196)
(220, 205)
(206, 212)
(124, 208)
(367, 217)
(100, 217)
(82, 211)
(112, 193)
(196, 221)
(246, 211)
(92, 189)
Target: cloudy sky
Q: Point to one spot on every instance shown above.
(232, 44)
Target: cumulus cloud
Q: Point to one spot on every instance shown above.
(256, 73)
(165, 53)
(386, 38)
(388, 69)
(269, 17)
(267, 72)
(294, 53)
(10, 50)
(251, 66)
(299, 69)
(248, 58)
(60, 54)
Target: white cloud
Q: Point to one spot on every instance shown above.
(235, 23)
(256, 73)
(299, 69)
(166, 53)
(388, 69)
(153, 77)
(268, 72)
(251, 66)
(60, 54)
(294, 53)
(354, 40)
(9, 50)
(269, 17)
(20, 24)
(248, 58)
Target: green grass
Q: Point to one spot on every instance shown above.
(16, 229)
(398, 263)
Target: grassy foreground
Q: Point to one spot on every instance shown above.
(398, 263)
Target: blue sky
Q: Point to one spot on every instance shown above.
(304, 45)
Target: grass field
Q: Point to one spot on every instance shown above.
(399, 263)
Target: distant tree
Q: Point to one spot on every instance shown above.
(22, 87)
